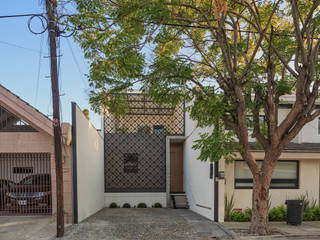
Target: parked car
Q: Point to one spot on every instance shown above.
(33, 192)
(5, 186)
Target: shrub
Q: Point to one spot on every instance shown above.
(113, 205)
(142, 205)
(126, 205)
(239, 217)
(278, 213)
(308, 216)
(229, 204)
(157, 205)
(316, 213)
(248, 212)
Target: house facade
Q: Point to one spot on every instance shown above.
(296, 174)
(27, 156)
(149, 158)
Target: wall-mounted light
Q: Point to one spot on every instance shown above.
(220, 175)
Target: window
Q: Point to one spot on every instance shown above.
(11, 123)
(158, 129)
(285, 175)
(144, 129)
(319, 126)
(250, 121)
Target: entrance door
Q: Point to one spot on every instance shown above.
(176, 167)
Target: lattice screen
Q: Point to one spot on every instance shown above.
(135, 152)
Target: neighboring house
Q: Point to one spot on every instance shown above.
(149, 158)
(296, 173)
(27, 156)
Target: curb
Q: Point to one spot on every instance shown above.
(289, 236)
(230, 234)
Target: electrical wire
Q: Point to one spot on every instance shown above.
(18, 46)
(22, 15)
(76, 63)
(39, 70)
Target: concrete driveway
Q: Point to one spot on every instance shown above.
(149, 223)
(26, 228)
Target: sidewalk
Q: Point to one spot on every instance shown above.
(307, 230)
(27, 228)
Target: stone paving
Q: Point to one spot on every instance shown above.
(149, 223)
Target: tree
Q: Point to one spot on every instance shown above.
(86, 113)
(228, 59)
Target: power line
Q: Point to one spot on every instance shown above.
(76, 62)
(22, 15)
(39, 70)
(18, 46)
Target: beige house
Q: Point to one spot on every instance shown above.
(27, 153)
(297, 172)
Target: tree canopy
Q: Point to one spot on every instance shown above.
(227, 58)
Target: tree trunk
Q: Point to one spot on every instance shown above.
(260, 201)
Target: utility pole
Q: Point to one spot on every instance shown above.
(51, 6)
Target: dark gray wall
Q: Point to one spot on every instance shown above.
(151, 174)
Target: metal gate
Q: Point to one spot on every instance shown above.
(25, 184)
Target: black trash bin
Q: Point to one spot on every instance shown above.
(294, 212)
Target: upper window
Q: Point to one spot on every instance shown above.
(144, 129)
(251, 124)
(285, 175)
(158, 129)
(11, 123)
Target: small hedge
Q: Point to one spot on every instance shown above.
(113, 205)
(312, 214)
(157, 205)
(239, 217)
(276, 214)
(142, 205)
(126, 205)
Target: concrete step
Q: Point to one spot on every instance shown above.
(179, 200)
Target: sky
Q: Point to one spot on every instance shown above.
(24, 62)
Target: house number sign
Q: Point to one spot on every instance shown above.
(131, 163)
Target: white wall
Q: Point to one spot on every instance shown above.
(308, 134)
(197, 183)
(90, 167)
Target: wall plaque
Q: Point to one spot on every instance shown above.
(131, 163)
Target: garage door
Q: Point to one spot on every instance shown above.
(25, 184)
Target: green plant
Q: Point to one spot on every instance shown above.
(316, 213)
(126, 205)
(308, 216)
(278, 213)
(123, 129)
(248, 212)
(113, 205)
(157, 205)
(229, 204)
(308, 202)
(239, 217)
(142, 205)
